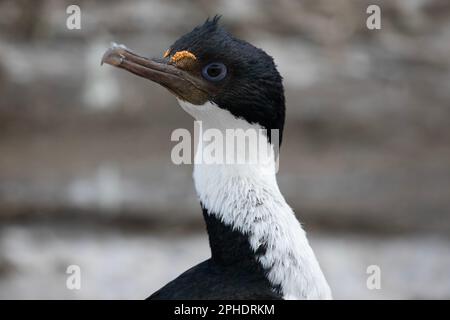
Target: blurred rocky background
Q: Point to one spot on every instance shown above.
(85, 170)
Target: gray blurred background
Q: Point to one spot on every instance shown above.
(85, 171)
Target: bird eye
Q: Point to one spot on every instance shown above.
(215, 71)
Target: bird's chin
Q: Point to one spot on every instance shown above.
(179, 82)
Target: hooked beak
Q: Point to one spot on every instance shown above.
(181, 83)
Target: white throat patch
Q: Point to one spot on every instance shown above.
(247, 198)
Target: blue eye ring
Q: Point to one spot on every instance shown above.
(214, 71)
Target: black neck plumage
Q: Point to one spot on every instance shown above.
(229, 246)
(231, 250)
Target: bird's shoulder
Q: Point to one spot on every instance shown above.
(210, 281)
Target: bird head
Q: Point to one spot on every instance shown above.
(210, 66)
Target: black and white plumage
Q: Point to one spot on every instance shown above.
(231, 273)
(258, 248)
